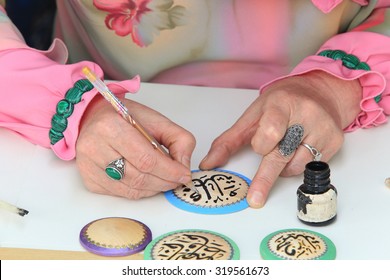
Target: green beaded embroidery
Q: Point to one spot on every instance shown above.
(350, 61)
(65, 108)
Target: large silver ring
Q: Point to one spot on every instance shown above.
(291, 140)
(116, 169)
(316, 153)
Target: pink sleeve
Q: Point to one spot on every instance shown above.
(327, 6)
(370, 48)
(32, 84)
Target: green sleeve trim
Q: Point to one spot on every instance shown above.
(65, 108)
(350, 61)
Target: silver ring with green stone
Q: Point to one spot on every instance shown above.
(116, 169)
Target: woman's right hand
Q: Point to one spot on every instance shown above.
(105, 136)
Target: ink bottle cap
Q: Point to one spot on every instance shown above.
(317, 197)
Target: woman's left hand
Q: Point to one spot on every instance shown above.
(319, 102)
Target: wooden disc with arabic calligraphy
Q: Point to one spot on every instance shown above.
(218, 192)
(192, 245)
(297, 244)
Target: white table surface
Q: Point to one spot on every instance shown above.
(52, 190)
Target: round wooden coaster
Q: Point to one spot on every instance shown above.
(297, 244)
(219, 192)
(115, 236)
(192, 244)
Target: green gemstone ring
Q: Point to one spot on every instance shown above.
(116, 169)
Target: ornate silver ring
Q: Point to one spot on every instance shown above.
(291, 140)
(116, 169)
(316, 153)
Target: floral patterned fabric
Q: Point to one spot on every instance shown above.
(219, 43)
(142, 19)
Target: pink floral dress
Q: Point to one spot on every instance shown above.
(219, 43)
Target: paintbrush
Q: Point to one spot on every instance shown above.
(12, 208)
(123, 111)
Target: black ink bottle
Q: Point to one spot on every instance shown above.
(317, 198)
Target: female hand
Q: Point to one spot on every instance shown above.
(321, 103)
(105, 136)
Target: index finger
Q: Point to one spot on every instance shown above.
(269, 170)
(146, 159)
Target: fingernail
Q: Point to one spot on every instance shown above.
(256, 200)
(185, 160)
(204, 164)
(204, 159)
(185, 179)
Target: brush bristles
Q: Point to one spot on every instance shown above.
(22, 212)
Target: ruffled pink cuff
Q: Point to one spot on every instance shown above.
(66, 148)
(33, 82)
(32, 85)
(374, 82)
(327, 6)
